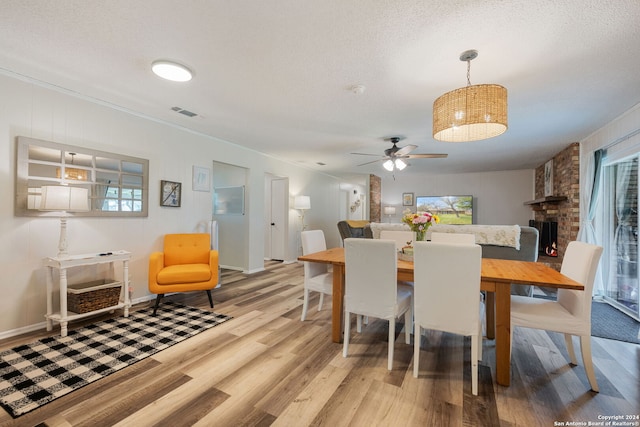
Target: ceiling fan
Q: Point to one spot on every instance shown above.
(395, 157)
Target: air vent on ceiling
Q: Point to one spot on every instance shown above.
(183, 111)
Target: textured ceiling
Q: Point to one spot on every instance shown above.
(276, 75)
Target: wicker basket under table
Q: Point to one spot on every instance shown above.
(95, 295)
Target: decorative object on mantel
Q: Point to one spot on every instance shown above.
(90, 353)
(419, 222)
(471, 113)
(63, 198)
(170, 194)
(548, 178)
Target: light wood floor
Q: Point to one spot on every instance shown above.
(266, 367)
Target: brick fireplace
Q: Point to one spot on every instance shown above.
(563, 206)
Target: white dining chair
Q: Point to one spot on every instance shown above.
(317, 276)
(371, 288)
(447, 295)
(470, 239)
(401, 237)
(453, 238)
(570, 313)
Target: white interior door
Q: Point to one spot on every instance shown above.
(279, 218)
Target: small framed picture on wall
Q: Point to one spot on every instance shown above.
(170, 193)
(407, 199)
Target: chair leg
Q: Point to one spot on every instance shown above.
(585, 348)
(210, 299)
(474, 365)
(321, 301)
(568, 341)
(416, 349)
(305, 305)
(155, 307)
(392, 335)
(511, 343)
(408, 318)
(347, 326)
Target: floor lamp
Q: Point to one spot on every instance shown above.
(63, 199)
(302, 203)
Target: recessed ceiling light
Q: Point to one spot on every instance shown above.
(171, 71)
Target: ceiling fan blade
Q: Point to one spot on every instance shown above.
(365, 154)
(427, 156)
(406, 150)
(368, 163)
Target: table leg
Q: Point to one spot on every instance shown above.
(125, 281)
(490, 314)
(63, 302)
(503, 334)
(336, 302)
(49, 280)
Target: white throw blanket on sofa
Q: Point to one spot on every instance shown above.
(498, 235)
(376, 227)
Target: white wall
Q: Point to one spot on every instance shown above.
(35, 111)
(498, 197)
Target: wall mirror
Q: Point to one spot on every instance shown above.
(117, 184)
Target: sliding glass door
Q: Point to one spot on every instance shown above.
(621, 235)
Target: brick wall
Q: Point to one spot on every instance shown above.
(375, 198)
(566, 182)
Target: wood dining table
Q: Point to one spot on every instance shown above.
(497, 275)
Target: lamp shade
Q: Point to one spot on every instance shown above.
(302, 202)
(389, 210)
(471, 113)
(64, 198)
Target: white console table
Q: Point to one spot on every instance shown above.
(62, 264)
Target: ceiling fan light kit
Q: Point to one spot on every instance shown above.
(394, 157)
(471, 113)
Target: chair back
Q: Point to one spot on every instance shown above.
(188, 248)
(453, 238)
(447, 286)
(401, 237)
(313, 241)
(580, 263)
(371, 277)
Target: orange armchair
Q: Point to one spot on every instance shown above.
(186, 264)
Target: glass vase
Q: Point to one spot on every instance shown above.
(420, 236)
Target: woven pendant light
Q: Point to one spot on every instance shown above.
(471, 113)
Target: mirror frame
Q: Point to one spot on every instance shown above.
(90, 169)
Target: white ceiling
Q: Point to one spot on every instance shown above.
(276, 75)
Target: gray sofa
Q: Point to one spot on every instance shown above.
(528, 252)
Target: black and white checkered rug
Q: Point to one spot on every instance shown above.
(35, 374)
